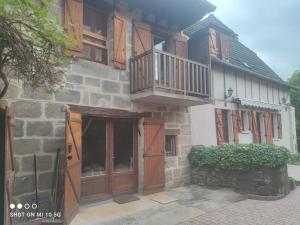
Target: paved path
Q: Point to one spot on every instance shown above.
(285, 211)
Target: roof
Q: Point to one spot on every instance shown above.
(180, 12)
(240, 57)
(209, 21)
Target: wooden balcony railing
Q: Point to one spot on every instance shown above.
(160, 70)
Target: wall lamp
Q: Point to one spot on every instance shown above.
(229, 93)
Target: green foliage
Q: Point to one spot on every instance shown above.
(294, 159)
(295, 100)
(239, 156)
(32, 43)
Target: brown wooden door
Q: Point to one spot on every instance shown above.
(154, 155)
(7, 117)
(120, 169)
(72, 165)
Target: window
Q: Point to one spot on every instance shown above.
(274, 125)
(159, 43)
(94, 34)
(225, 125)
(170, 145)
(245, 120)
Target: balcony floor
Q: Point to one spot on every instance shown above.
(167, 98)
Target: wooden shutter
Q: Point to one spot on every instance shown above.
(154, 155)
(220, 126)
(7, 154)
(214, 50)
(224, 39)
(268, 127)
(72, 165)
(74, 26)
(250, 121)
(255, 131)
(119, 40)
(235, 126)
(240, 120)
(181, 48)
(279, 122)
(141, 38)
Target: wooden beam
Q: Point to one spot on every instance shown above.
(108, 113)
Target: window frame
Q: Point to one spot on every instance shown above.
(95, 36)
(245, 120)
(171, 133)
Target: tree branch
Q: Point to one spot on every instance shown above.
(3, 77)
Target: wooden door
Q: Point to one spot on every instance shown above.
(72, 165)
(154, 155)
(7, 119)
(123, 180)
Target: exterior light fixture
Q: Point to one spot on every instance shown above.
(229, 93)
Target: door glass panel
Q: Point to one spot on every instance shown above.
(123, 145)
(93, 146)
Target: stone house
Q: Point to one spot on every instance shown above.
(122, 120)
(250, 103)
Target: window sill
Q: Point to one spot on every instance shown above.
(276, 139)
(246, 132)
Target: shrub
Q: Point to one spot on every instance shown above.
(293, 158)
(239, 156)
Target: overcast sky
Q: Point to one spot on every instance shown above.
(271, 28)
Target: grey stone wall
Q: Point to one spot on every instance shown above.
(258, 181)
(40, 117)
(40, 120)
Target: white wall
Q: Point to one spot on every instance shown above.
(244, 86)
(203, 125)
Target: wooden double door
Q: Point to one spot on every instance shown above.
(101, 159)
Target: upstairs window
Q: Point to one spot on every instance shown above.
(94, 34)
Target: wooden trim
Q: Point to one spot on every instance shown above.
(107, 113)
(94, 44)
(94, 35)
(172, 131)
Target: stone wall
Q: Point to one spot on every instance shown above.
(40, 116)
(260, 181)
(40, 126)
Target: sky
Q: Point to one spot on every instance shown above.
(271, 28)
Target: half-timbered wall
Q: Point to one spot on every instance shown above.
(244, 86)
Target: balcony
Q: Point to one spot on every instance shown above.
(162, 78)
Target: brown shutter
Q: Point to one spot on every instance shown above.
(224, 47)
(250, 120)
(240, 120)
(255, 131)
(268, 127)
(73, 165)
(119, 40)
(235, 126)
(9, 124)
(181, 48)
(214, 51)
(154, 155)
(141, 38)
(279, 122)
(74, 26)
(220, 126)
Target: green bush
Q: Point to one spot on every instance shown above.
(293, 159)
(239, 156)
